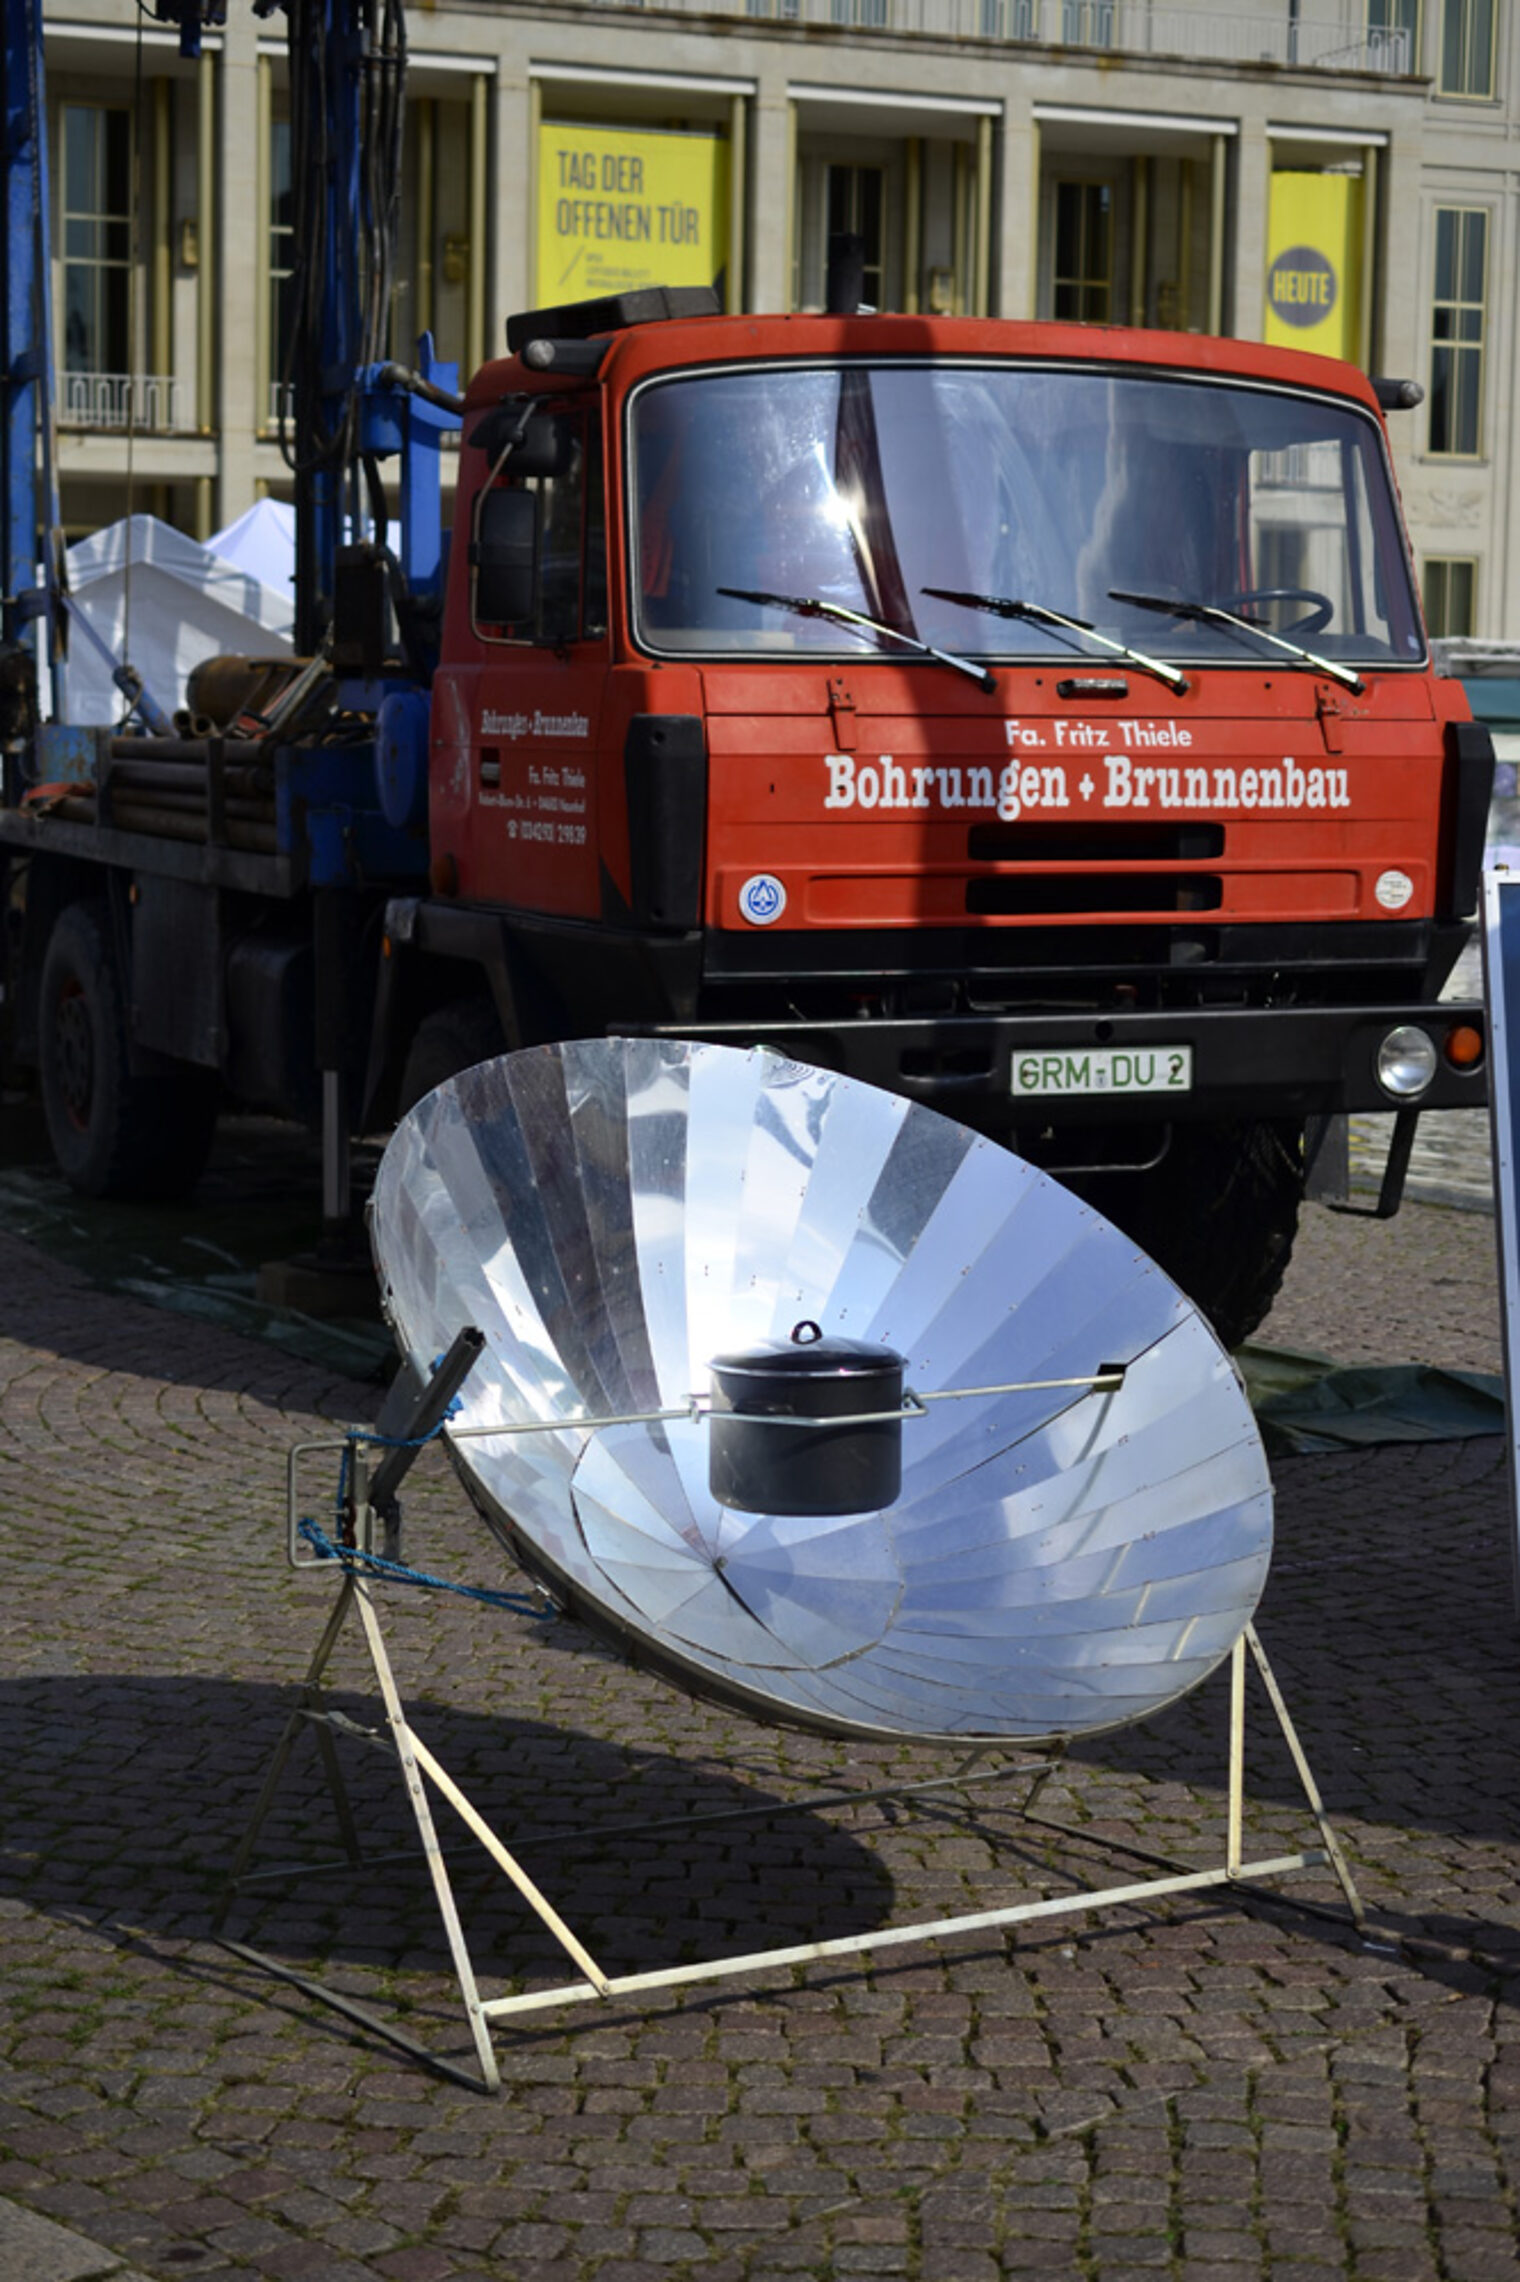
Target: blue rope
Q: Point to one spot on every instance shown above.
(399, 1574)
(365, 1434)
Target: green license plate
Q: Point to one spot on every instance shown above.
(1103, 1069)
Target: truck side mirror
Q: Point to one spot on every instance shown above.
(545, 445)
(504, 555)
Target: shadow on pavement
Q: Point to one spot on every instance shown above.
(1390, 1622)
(198, 1260)
(129, 1798)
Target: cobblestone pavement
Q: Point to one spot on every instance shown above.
(1193, 2089)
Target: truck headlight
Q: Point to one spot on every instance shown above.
(1406, 1062)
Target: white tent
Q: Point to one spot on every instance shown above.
(162, 602)
(261, 542)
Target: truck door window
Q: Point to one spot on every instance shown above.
(539, 555)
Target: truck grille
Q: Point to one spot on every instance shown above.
(1087, 843)
(1048, 894)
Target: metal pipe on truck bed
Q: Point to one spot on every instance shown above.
(183, 776)
(186, 801)
(258, 837)
(169, 748)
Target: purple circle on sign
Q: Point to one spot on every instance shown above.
(1301, 286)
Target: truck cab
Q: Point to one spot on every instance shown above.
(1036, 720)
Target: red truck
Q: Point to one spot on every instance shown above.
(1034, 720)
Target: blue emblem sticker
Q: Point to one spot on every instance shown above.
(762, 899)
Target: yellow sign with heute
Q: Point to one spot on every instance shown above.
(1314, 264)
(621, 207)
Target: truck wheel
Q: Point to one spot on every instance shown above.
(450, 1039)
(1219, 1214)
(113, 1133)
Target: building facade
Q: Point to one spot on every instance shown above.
(1345, 180)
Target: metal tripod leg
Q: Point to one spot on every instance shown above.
(1235, 1823)
(311, 1697)
(353, 1594)
(415, 1756)
(416, 1762)
(1331, 1843)
(416, 1791)
(1236, 1871)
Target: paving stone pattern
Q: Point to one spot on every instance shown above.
(1193, 2089)
(1420, 1288)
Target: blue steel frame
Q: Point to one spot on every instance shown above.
(387, 420)
(322, 392)
(28, 483)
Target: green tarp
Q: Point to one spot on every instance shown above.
(1307, 1402)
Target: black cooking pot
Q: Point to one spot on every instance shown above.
(760, 1463)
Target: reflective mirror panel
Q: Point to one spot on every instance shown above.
(613, 1214)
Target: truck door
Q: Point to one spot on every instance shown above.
(526, 716)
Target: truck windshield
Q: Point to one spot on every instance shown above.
(865, 484)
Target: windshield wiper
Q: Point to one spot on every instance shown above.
(813, 606)
(1210, 614)
(1001, 606)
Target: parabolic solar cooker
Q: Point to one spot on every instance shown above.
(823, 1407)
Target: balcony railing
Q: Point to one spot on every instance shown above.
(1133, 27)
(281, 403)
(150, 402)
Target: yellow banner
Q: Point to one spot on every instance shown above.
(620, 207)
(1314, 264)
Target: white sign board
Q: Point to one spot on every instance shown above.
(1501, 971)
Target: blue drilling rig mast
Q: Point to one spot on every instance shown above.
(313, 835)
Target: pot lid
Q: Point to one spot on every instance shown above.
(811, 1353)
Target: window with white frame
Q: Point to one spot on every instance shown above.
(280, 268)
(1457, 327)
(1393, 34)
(855, 205)
(1449, 585)
(1082, 270)
(97, 239)
(1467, 48)
(1089, 23)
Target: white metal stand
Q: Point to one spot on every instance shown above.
(420, 1769)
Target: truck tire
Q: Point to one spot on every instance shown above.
(113, 1133)
(1219, 1214)
(450, 1039)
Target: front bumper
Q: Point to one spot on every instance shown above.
(1285, 1062)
